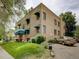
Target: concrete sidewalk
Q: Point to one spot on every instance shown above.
(4, 54)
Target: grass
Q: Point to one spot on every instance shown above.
(18, 49)
(1, 41)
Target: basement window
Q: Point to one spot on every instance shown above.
(28, 39)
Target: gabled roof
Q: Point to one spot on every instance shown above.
(48, 9)
(41, 4)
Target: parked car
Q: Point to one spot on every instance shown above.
(61, 41)
(77, 39)
(69, 42)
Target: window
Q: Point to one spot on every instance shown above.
(27, 31)
(44, 28)
(23, 26)
(28, 21)
(58, 33)
(55, 32)
(55, 22)
(58, 23)
(44, 15)
(19, 25)
(37, 29)
(28, 39)
(37, 15)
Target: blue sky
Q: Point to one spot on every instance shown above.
(57, 6)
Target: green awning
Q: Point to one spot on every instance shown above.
(20, 32)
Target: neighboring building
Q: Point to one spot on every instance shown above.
(42, 20)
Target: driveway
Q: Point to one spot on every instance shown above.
(65, 52)
(4, 54)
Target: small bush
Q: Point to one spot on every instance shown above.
(33, 41)
(40, 39)
(53, 41)
(50, 41)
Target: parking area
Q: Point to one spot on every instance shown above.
(65, 52)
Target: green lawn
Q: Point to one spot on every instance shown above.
(19, 49)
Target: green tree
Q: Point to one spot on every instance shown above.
(1, 31)
(77, 31)
(70, 22)
(7, 10)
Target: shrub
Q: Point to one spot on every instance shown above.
(53, 41)
(50, 41)
(33, 41)
(40, 39)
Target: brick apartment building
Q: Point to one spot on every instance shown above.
(41, 20)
